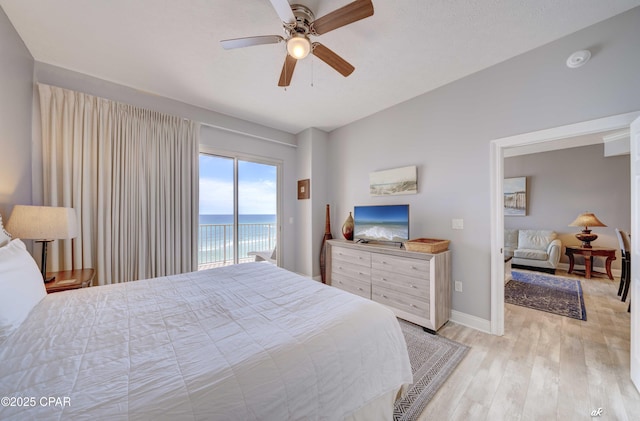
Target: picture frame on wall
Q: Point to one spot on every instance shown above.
(515, 196)
(394, 182)
(303, 189)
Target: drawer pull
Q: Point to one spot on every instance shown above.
(360, 289)
(384, 296)
(414, 306)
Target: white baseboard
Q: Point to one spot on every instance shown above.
(471, 321)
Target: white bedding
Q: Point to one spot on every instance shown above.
(244, 342)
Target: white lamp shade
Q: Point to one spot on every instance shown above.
(42, 223)
(298, 46)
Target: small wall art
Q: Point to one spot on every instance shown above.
(515, 196)
(303, 189)
(392, 182)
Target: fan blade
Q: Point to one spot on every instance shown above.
(332, 59)
(283, 9)
(287, 71)
(229, 44)
(345, 15)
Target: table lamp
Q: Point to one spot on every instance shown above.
(586, 220)
(43, 224)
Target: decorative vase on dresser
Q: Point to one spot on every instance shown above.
(323, 248)
(347, 228)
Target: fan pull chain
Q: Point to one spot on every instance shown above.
(312, 61)
(286, 69)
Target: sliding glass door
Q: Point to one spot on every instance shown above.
(238, 210)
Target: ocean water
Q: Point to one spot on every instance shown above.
(215, 236)
(242, 219)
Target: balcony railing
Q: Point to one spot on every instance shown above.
(215, 243)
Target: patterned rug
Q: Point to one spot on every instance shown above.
(553, 294)
(433, 358)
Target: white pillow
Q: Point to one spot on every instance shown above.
(4, 236)
(21, 286)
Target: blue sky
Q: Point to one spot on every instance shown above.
(382, 213)
(257, 187)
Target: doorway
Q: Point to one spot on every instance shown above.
(238, 209)
(498, 147)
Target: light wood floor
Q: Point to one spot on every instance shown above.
(545, 367)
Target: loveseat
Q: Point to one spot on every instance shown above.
(533, 249)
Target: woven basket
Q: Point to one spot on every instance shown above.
(427, 245)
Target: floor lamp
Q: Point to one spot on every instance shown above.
(43, 224)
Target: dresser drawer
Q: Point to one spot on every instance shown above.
(404, 302)
(394, 264)
(351, 285)
(418, 287)
(352, 257)
(340, 268)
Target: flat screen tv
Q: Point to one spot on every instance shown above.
(382, 223)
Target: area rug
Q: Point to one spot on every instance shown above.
(433, 358)
(553, 294)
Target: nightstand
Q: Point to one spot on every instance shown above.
(69, 279)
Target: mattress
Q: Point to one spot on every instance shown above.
(243, 342)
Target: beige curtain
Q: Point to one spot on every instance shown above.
(131, 175)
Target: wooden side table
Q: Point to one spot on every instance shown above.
(588, 254)
(69, 279)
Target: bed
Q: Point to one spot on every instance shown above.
(244, 342)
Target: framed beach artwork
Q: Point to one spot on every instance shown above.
(391, 182)
(515, 196)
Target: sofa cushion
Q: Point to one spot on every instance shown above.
(510, 241)
(530, 254)
(535, 239)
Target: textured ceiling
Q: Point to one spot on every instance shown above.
(408, 47)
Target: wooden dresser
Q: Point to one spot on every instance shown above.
(416, 286)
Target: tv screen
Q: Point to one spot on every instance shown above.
(381, 223)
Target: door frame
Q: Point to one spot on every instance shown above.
(497, 147)
(204, 149)
(635, 252)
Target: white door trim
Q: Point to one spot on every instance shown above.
(497, 147)
(635, 253)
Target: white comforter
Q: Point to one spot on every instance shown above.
(246, 342)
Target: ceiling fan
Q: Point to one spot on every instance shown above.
(299, 24)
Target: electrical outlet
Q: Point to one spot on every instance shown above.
(457, 224)
(458, 286)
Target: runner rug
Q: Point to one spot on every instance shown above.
(553, 294)
(433, 358)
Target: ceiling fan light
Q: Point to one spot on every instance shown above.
(298, 47)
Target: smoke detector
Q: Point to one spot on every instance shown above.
(579, 58)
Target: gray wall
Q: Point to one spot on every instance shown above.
(16, 82)
(312, 158)
(447, 133)
(562, 184)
